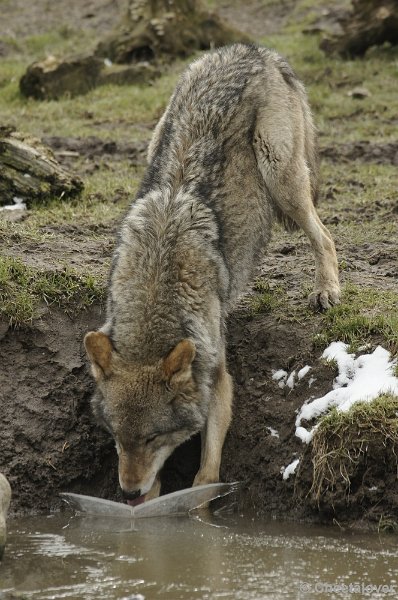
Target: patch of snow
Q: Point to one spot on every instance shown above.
(283, 379)
(280, 374)
(290, 381)
(273, 432)
(304, 435)
(19, 204)
(311, 381)
(359, 379)
(303, 372)
(290, 469)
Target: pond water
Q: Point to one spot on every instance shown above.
(199, 557)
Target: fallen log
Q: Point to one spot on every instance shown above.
(372, 23)
(29, 171)
(53, 78)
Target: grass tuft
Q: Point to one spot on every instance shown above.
(345, 443)
(363, 313)
(265, 298)
(23, 289)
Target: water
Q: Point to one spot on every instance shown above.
(206, 557)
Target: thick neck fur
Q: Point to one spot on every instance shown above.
(166, 277)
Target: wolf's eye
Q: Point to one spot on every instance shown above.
(151, 438)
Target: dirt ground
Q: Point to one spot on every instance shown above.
(49, 441)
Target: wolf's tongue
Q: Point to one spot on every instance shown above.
(137, 501)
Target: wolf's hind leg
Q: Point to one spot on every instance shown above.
(215, 430)
(288, 183)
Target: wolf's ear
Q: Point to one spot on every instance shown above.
(99, 349)
(177, 366)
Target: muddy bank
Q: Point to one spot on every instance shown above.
(50, 442)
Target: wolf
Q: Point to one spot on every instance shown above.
(234, 149)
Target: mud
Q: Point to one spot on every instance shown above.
(69, 149)
(364, 151)
(50, 442)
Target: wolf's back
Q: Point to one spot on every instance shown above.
(214, 203)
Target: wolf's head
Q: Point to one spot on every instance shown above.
(148, 409)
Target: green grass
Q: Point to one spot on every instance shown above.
(24, 289)
(128, 113)
(338, 116)
(363, 314)
(265, 298)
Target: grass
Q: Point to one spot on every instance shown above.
(112, 112)
(128, 113)
(329, 79)
(23, 289)
(363, 313)
(350, 448)
(265, 298)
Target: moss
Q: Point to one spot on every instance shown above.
(344, 441)
(23, 289)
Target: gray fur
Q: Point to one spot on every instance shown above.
(235, 146)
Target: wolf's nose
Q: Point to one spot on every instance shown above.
(131, 495)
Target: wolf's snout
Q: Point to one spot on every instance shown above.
(131, 495)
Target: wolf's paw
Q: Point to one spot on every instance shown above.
(321, 300)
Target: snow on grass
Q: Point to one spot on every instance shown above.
(290, 469)
(359, 379)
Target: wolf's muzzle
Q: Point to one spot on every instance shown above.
(131, 495)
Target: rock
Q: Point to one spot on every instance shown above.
(359, 93)
(5, 497)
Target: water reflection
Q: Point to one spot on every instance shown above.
(206, 557)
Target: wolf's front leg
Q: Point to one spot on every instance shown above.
(154, 491)
(215, 430)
